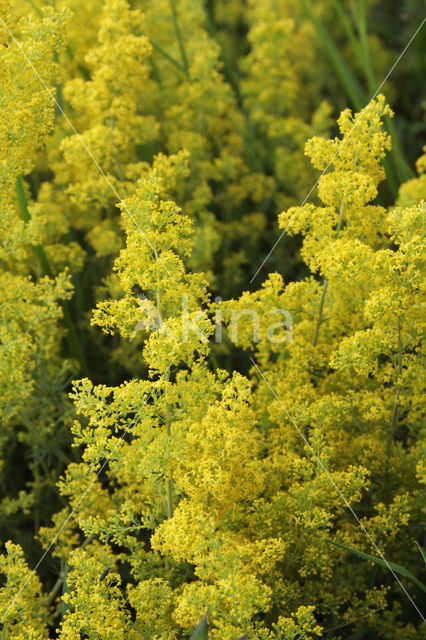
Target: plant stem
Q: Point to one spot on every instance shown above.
(397, 394)
(169, 57)
(59, 102)
(64, 606)
(58, 584)
(349, 81)
(325, 285)
(346, 24)
(401, 172)
(155, 71)
(213, 360)
(169, 481)
(230, 72)
(397, 170)
(179, 36)
(120, 174)
(365, 51)
(72, 337)
(26, 217)
(35, 7)
(320, 312)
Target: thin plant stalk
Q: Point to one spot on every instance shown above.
(325, 286)
(169, 480)
(72, 337)
(64, 606)
(179, 36)
(403, 170)
(168, 57)
(399, 170)
(398, 391)
(347, 78)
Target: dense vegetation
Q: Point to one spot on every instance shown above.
(212, 279)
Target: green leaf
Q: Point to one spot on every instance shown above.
(402, 171)
(179, 36)
(201, 632)
(347, 78)
(422, 552)
(346, 24)
(72, 336)
(36, 9)
(395, 567)
(26, 217)
(168, 57)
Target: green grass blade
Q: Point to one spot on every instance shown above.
(346, 24)
(26, 217)
(72, 337)
(59, 102)
(400, 171)
(366, 59)
(231, 73)
(179, 36)
(201, 632)
(347, 78)
(168, 57)
(402, 167)
(395, 567)
(422, 552)
(35, 7)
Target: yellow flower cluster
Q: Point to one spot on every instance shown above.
(173, 488)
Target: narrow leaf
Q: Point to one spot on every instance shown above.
(179, 36)
(168, 57)
(347, 78)
(72, 336)
(395, 567)
(422, 552)
(201, 632)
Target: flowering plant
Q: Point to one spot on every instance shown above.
(179, 455)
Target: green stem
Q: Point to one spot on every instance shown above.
(119, 168)
(87, 541)
(169, 481)
(54, 591)
(155, 71)
(59, 102)
(213, 359)
(347, 78)
(346, 24)
(365, 50)
(395, 407)
(58, 93)
(401, 171)
(325, 285)
(397, 168)
(72, 337)
(35, 7)
(26, 217)
(179, 36)
(320, 312)
(169, 57)
(64, 606)
(230, 72)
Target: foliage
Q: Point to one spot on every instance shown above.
(163, 484)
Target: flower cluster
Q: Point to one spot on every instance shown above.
(165, 478)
